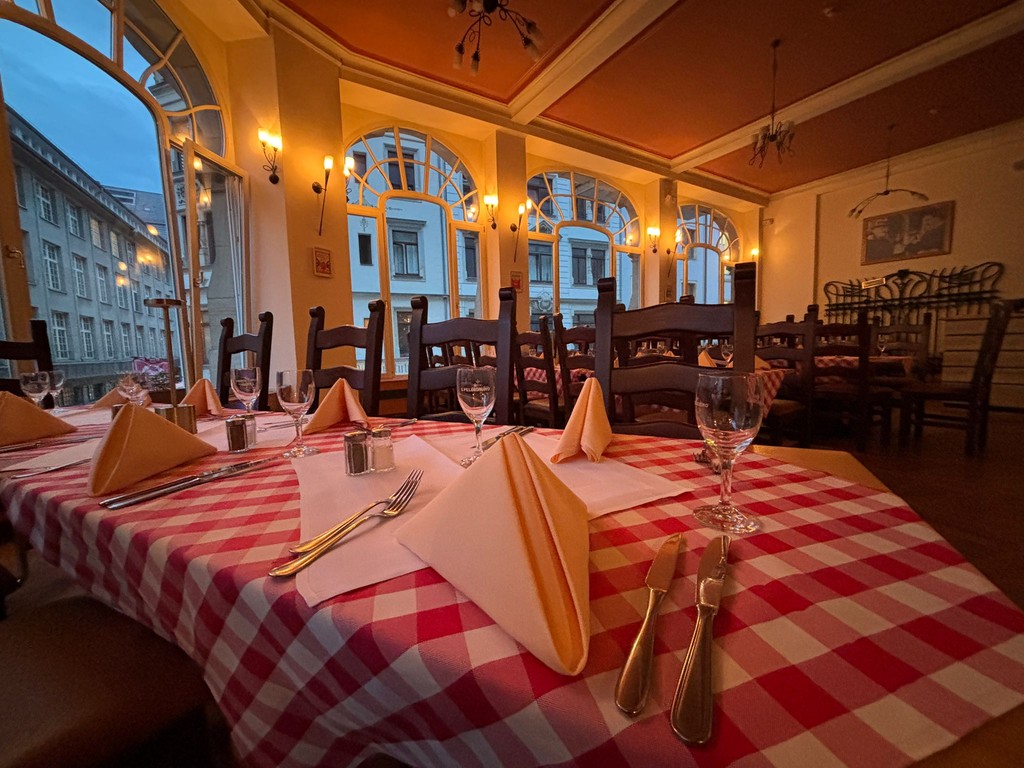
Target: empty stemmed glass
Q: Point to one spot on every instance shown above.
(133, 386)
(295, 392)
(729, 408)
(246, 384)
(475, 388)
(36, 385)
(881, 342)
(727, 350)
(56, 385)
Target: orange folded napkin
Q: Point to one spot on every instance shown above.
(341, 404)
(707, 361)
(113, 397)
(21, 421)
(761, 365)
(138, 445)
(588, 428)
(513, 538)
(204, 397)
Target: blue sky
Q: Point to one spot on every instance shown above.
(89, 115)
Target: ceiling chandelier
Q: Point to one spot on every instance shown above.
(778, 135)
(858, 209)
(480, 16)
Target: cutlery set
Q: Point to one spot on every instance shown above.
(692, 706)
(491, 441)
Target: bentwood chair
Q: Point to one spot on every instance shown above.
(842, 378)
(37, 350)
(790, 345)
(257, 344)
(425, 379)
(575, 350)
(538, 393)
(668, 386)
(369, 338)
(974, 395)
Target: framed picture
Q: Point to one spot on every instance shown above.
(322, 262)
(910, 234)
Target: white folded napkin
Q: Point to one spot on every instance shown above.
(371, 554)
(514, 539)
(216, 434)
(588, 428)
(22, 421)
(74, 452)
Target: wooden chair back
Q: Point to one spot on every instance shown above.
(257, 344)
(423, 336)
(535, 351)
(37, 350)
(370, 338)
(790, 344)
(574, 348)
(673, 383)
(906, 340)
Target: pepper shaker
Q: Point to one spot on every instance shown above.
(357, 454)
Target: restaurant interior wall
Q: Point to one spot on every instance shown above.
(977, 173)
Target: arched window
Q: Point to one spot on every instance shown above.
(706, 246)
(581, 229)
(413, 231)
(179, 232)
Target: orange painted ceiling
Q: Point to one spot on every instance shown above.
(680, 81)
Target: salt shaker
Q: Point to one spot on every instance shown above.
(357, 454)
(382, 451)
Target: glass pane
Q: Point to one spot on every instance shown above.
(417, 242)
(582, 260)
(704, 274)
(364, 264)
(468, 255)
(93, 215)
(542, 301)
(89, 21)
(627, 279)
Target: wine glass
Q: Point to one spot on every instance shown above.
(133, 386)
(295, 391)
(727, 352)
(476, 389)
(36, 385)
(881, 342)
(729, 408)
(246, 384)
(56, 385)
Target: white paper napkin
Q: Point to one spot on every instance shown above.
(75, 452)
(216, 434)
(370, 554)
(88, 417)
(605, 487)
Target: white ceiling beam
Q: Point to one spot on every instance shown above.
(983, 32)
(621, 22)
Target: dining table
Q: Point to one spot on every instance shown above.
(849, 633)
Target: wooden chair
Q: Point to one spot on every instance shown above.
(903, 340)
(369, 338)
(673, 383)
(258, 344)
(424, 379)
(846, 388)
(536, 352)
(574, 348)
(37, 350)
(790, 345)
(84, 685)
(974, 395)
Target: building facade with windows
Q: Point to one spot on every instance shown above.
(90, 263)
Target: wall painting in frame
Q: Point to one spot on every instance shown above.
(909, 234)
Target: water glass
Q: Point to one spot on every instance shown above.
(56, 385)
(133, 386)
(36, 385)
(246, 384)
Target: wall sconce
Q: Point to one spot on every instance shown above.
(754, 253)
(152, 230)
(350, 164)
(271, 144)
(653, 233)
(523, 208)
(491, 204)
(322, 189)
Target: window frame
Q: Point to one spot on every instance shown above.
(87, 334)
(46, 204)
(52, 267)
(59, 342)
(79, 265)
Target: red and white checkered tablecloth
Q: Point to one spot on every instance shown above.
(850, 631)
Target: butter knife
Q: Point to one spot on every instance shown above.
(165, 489)
(635, 679)
(693, 703)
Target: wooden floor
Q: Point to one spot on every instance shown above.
(977, 504)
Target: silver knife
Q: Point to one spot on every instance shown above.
(635, 679)
(165, 489)
(44, 443)
(692, 706)
(510, 431)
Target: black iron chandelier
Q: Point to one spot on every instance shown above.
(858, 209)
(778, 135)
(480, 14)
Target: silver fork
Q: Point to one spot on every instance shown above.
(393, 509)
(54, 468)
(411, 480)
